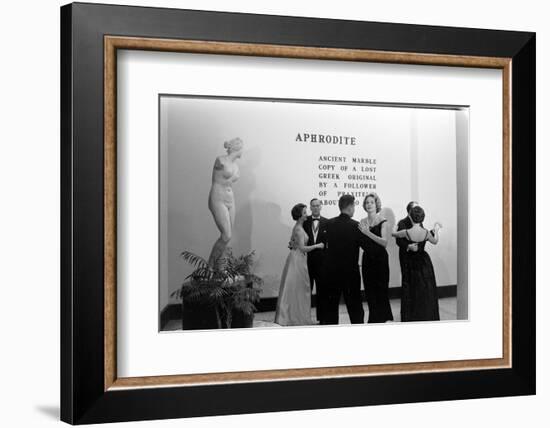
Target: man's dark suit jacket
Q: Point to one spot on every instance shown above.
(343, 240)
(316, 261)
(316, 255)
(342, 268)
(403, 243)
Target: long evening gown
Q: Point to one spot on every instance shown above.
(294, 302)
(376, 277)
(419, 301)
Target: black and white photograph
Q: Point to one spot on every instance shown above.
(279, 213)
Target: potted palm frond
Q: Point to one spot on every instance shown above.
(220, 297)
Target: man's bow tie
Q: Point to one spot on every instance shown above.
(315, 218)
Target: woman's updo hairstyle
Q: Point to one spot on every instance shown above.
(297, 211)
(417, 214)
(233, 145)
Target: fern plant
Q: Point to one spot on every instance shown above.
(230, 285)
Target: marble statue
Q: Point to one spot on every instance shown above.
(221, 200)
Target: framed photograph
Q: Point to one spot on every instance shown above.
(316, 212)
(314, 151)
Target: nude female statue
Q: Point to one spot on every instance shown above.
(221, 201)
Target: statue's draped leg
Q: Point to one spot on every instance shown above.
(218, 251)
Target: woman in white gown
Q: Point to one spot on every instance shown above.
(294, 302)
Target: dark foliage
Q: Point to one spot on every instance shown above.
(228, 286)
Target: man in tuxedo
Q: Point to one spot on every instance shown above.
(343, 240)
(315, 227)
(402, 243)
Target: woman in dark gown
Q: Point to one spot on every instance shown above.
(375, 267)
(419, 301)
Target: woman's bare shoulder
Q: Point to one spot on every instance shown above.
(296, 234)
(380, 219)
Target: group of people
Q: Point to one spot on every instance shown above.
(324, 253)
